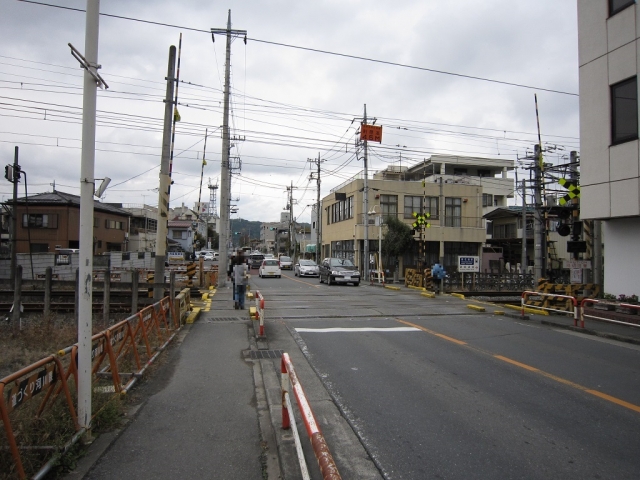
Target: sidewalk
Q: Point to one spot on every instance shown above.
(204, 422)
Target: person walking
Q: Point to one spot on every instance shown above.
(241, 277)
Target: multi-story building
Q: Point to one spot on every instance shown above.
(47, 221)
(451, 189)
(143, 227)
(608, 34)
(506, 234)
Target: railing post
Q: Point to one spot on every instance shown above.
(284, 382)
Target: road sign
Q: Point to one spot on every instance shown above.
(468, 264)
(573, 264)
(372, 133)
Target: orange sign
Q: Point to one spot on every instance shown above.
(372, 133)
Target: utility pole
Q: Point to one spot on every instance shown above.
(164, 183)
(366, 203)
(318, 208)
(14, 216)
(538, 231)
(87, 189)
(291, 223)
(523, 258)
(225, 177)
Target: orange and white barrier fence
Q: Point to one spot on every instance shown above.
(327, 465)
(568, 298)
(119, 357)
(260, 311)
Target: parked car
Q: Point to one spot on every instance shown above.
(306, 268)
(286, 263)
(270, 268)
(208, 255)
(255, 260)
(339, 270)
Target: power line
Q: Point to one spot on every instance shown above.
(325, 52)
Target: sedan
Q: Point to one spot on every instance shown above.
(339, 270)
(306, 268)
(208, 256)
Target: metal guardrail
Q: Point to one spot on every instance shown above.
(604, 319)
(326, 463)
(568, 298)
(119, 357)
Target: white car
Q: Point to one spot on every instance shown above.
(286, 263)
(208, 256)
(306, 268)
(270, 268)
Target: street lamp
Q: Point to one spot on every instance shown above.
(379, 223)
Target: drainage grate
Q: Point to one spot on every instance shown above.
(224, 319)
(258, 354)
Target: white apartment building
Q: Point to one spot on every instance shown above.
(609, 59)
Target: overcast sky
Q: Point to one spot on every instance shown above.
(288, 104)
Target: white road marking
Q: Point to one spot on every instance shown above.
(363, 329)
(603, 340)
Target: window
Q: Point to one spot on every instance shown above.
(389, 205)
(40, 220)
(624, 111)
(452, 212)
(96, 222)
(487, 200)
(616, 6)
(484, 173)
(412, 204)
(39, 247)
(113, 224)
(177, 234)
(126, 256)
(431, 207)
(459, 171)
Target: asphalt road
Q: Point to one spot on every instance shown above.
(435, 390)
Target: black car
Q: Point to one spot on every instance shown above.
(339, 270)
(255, 260)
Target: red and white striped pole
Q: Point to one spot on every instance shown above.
(261, 310)
(284, 383)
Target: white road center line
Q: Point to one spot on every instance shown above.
(363, 329)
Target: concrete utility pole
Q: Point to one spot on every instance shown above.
(291, 223)
(318, 213)
(14, 216)
(165, 182)
(523, 258)
(224, 166)
(87, 189)
(366, 204)
(538, 231)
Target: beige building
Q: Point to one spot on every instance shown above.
(453, 200)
